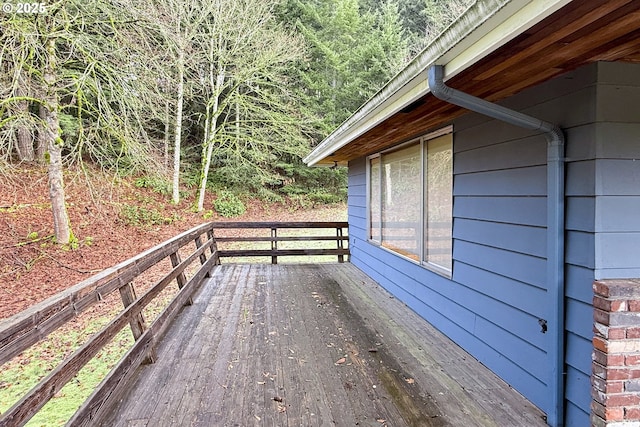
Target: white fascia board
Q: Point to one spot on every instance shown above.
(483, 28)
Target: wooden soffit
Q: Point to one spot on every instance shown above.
(582, 32)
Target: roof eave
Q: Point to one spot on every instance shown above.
(485, 26)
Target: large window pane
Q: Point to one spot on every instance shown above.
(401, 189)
(439, 201)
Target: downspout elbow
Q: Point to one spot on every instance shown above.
(436, 84)
(453, 96)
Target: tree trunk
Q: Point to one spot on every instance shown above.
(176, 152)
(207, 150)
(42, 134)
(62, 228)
(25, 138)
(166, 135)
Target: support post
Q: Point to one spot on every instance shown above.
(274, 244)
(137, 323)
(181, 278)
(340, 244)
(203, 257)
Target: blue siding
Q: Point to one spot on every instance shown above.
(497, 293)
(510, 182)
(513, 210)
(514, 238)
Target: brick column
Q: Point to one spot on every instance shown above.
(615, 377)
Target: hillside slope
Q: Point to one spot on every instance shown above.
(112, 220)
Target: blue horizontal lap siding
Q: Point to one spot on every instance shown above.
(603, 196)
(514, 210)
(520, 267)
(493, 304)
(497, 292)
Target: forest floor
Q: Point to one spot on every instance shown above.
(112, 220)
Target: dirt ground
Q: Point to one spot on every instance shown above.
(33, 267)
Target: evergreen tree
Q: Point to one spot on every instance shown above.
(351, 54)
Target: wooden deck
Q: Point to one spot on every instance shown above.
(311, 345)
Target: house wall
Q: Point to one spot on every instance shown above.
(497, 295)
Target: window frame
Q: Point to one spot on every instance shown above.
(423, 143)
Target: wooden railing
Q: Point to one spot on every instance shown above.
(276, 236)
(25, 329)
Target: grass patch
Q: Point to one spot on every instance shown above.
(25, 371)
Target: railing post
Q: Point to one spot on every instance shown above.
(340, 244)
(214, 246)
(203, 257)
(137, 323)
(274, 244)
(181, 278)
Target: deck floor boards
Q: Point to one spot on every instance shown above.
(311, 345)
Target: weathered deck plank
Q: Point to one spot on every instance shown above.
(316, 345)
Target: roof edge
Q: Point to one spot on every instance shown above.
(485, 26)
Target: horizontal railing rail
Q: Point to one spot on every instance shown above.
(26, 329)
(275, 229)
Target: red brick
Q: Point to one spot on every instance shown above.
(597, 408)
(633, 332)
(601, 288)
(601, 316)
(622, 399)
(616, 333)
(615, 374)
(601, 302)
(632, 359)
(598, 396)
(634, 306)
(614, 414)
(601, 344)
(632, 413)
(597, 421)
(605, 359)
(615, 386)
(609, 332)
(608, 304)
(598, 370)
(618, 305)
(607, 386)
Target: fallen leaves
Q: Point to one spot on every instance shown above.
(280, 407)
(340, 361)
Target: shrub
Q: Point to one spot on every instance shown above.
(157, 184)
(141, 216)
(325, 198)
(228, 204)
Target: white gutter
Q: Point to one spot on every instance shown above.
(483, 28)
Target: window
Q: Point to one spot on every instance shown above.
(438, 187)
(410, 200)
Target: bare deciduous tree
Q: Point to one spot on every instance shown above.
(248, 106)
